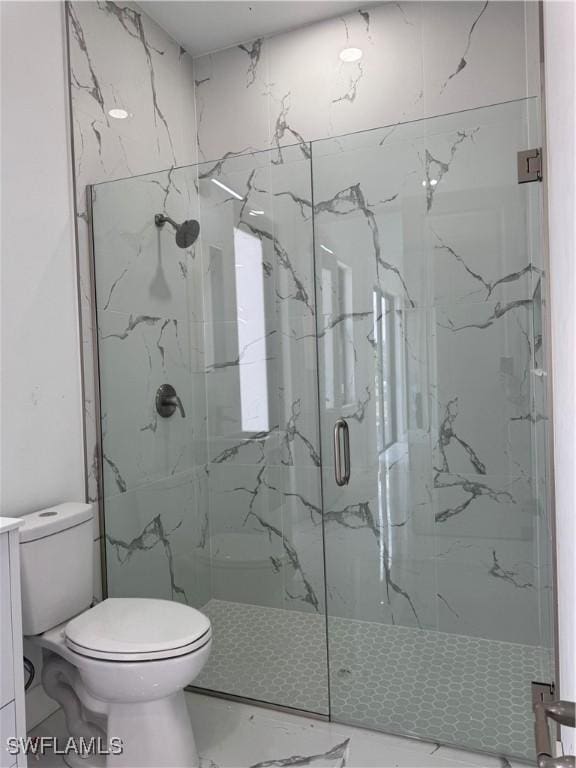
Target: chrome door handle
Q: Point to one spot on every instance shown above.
(338, 476)
(347, 467)
(341, 428)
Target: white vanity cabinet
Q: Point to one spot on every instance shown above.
(12, 705)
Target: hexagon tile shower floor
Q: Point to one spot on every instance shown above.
(381, 675)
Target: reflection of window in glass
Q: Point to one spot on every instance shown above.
(221, 299)
(248, 262)
(346, 335)
(389, 369)
(328, 339)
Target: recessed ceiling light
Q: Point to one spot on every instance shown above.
(118, 114)
(227, 189)
(350, 55)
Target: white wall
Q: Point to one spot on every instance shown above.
(42, 459)
(559, 37)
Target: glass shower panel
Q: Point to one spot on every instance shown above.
(429, 277)
(225, 508)
(154, 486)
(263, 466)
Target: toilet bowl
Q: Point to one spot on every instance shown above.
(118, 669)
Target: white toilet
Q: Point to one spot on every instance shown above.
(118, 669)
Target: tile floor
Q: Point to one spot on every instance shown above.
(232, 735)
(459, 690)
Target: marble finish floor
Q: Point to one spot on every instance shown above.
(233, 735)
(450, 688)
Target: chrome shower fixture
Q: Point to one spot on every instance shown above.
(186, 233)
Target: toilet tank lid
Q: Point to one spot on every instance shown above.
(46, 522)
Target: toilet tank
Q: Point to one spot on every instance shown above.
(56, 556)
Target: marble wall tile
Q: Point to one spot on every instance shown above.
(303, 571)
(265, 203)
(436, 552)
(146, 288)
(466, 250)
(419, 60)
(336, 98)
(266, 535)
(261, 385)
(484, 380)
(261, 382)
(447, 222)
(481, 243)
(371, 222)
(120, 58)
(235, 409)
(491, 506)
(479, 580)
(247, 555)
(139, 268)
(231, 89)
(380, 547)
(156, 541)
(478, 53)
(137, 355)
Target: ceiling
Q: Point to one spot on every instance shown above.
(202, 26)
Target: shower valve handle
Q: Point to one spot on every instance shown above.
(167, 401)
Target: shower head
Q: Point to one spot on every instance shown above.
(186, 233)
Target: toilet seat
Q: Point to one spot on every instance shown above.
(137, 629)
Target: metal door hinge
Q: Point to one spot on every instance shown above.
(529, 165)
(542, 693)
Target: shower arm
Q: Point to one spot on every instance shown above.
(160, 219)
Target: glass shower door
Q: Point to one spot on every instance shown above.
(429, 276)
(262, 439)
(416, 314)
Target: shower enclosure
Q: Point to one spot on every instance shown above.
(352, 482)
